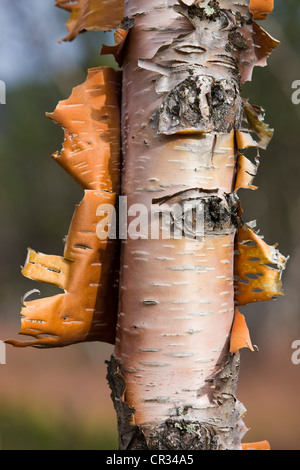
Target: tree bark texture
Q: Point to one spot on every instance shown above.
(173, 380)
(184, 129)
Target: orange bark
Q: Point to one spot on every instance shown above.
(258, 268)
(240, 336)
(90, 118)
(262, 445)
(88, 271)
(91, 15)
(261, 8)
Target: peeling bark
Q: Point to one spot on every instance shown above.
(91, 15)
(88, 271)
(174, 370)
(184, 125)
(176, 296)
(85, 311)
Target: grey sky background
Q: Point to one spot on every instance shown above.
(36, 26)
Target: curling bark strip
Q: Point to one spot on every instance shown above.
(91, 15)
(261, 8)
(91, 120)
(184, 131)
(88, 271)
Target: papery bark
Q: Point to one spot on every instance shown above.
(181, 110)
(185, 128)
(88, 271)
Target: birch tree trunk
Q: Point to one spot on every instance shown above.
(176, 382)
(188, 260)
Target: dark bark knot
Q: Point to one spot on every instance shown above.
(211, 12)
(181, 435)
(198, 213)
(201, 103)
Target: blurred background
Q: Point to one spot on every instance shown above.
(59, 399)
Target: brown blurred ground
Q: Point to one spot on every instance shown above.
(68, 387)
(55, 390)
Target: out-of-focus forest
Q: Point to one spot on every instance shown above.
(59, 399)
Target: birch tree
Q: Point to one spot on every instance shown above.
(163, 139)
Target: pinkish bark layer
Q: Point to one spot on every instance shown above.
(171, 372)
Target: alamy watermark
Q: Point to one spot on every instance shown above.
(160, 221)
(2, 353)
(296, 354)
(296, 93)
(2, 92)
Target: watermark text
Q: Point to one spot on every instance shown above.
(296, 354)
(296, 93)
(160, 221)
(2, 92)
(2, 353)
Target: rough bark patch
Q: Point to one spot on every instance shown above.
(201, 103)
(179, 435)
(116, 381)
(202, 213)
(180, 432)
